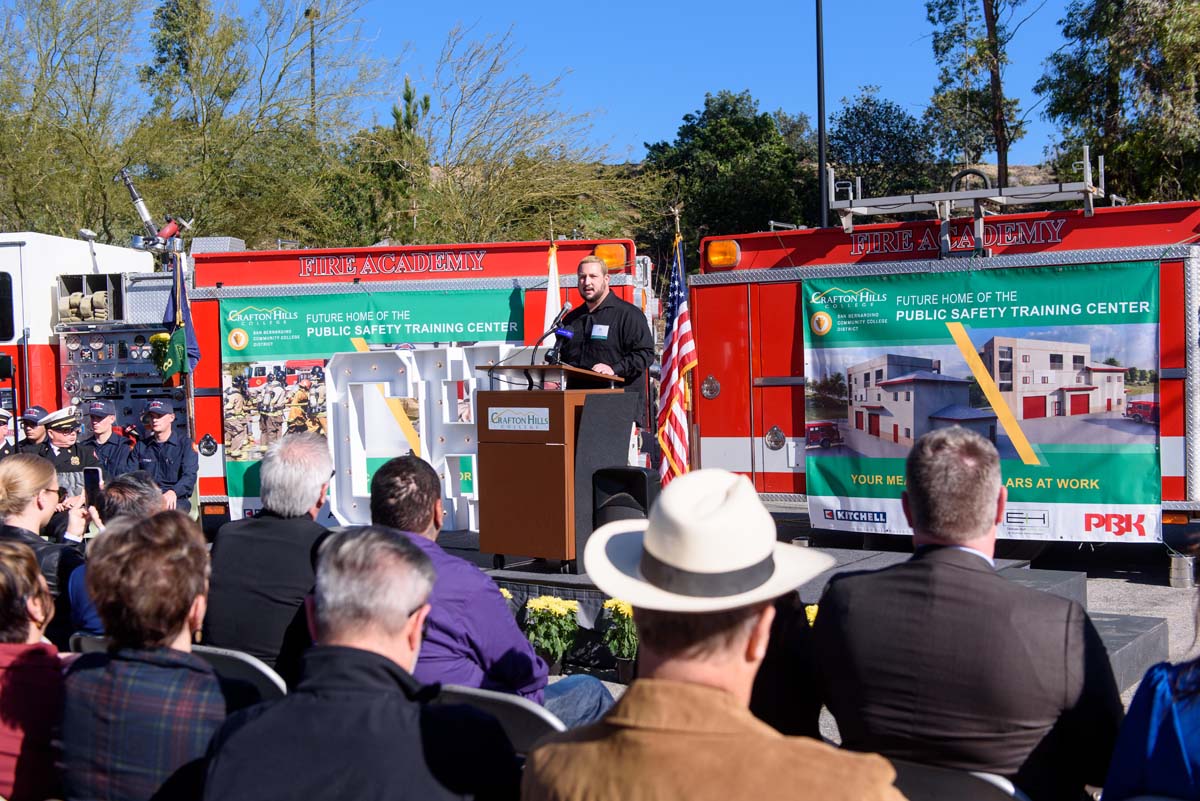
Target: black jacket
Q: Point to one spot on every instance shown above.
(942, 660)
(616, 334)
(358, 727)
(57, 562)
(262, 567)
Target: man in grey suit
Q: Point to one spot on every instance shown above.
(943, 661)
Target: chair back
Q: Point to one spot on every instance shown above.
(932, 783)
(522, 720)
(263, 683)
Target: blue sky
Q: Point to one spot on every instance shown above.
(641, 66)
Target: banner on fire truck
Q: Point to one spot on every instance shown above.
(274, 351)
(1042, 361)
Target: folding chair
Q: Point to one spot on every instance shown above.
(522, 720)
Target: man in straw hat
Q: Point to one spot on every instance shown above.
(701, 574)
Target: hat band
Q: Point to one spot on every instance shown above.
(705, 585)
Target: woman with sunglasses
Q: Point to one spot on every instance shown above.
(29, 494)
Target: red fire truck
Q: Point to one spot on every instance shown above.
(752, 338)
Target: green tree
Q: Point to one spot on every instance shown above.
(1126, 84)
(1112, 361)
(732, 167)
(970, 109)
(875, 139)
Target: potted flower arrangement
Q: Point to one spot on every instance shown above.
(551, 625)
(621, 637)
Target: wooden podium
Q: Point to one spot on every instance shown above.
(538, 449)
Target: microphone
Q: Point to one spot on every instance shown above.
(560, 335)
(566, 307)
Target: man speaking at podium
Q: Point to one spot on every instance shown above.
(608, 335)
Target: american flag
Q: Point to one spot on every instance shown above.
(679, 356)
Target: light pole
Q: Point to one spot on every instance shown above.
(822, 174)
(311, 13)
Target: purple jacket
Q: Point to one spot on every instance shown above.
(471, 638)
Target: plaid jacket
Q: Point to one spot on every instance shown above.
(134, 718)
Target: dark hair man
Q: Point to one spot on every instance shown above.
(146, 709)
(472, 638)
(703, 608)
(357, 725)
(133, 495)
(263, 566)
(982, 673)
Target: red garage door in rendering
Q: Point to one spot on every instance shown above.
(1034, 406)
(1079, 403)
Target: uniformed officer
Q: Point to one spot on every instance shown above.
(34, 432)
(610, 336)
(169, 457)
(115, 452)
(68, 455)
(6, 447)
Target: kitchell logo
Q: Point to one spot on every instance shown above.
(519, 419)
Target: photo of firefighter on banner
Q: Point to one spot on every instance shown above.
(1057, 366)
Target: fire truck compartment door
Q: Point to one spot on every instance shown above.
(777, 359)
(722, 414)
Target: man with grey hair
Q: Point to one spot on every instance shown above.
(942, 660)
(262, 567)
(358, 725)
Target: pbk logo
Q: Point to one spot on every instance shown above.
(1115, 524)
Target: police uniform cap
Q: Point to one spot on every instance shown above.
(5, 416)
(65, 419)
(33, 414)
(101, 408)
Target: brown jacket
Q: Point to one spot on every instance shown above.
(670, 740)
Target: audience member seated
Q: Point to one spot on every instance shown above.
(262, 567)
(701, 575)
(133, 495)
(473, 639)
(943, 661)
(29, 494)
(357, 726)
(1158, 748)
(31, 687)
(138, 718)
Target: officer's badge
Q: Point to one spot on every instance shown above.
(74, 461)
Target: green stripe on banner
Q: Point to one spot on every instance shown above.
(316, 326)
(1070, 476)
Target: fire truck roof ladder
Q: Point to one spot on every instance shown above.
(977, 200)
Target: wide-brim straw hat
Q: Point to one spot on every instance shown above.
(709, 545)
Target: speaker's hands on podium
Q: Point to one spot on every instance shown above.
(601, 367)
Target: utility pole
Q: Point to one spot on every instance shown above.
(822, 172)
(311, 13)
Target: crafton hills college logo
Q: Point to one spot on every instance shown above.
(821, 323)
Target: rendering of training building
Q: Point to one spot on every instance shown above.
(1040, 378)
(899, 398)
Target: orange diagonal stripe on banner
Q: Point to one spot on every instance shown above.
(410, 433)
(992, 392)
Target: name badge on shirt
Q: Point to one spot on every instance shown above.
(600, 332)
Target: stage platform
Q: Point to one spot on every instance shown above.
(1134, 643)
